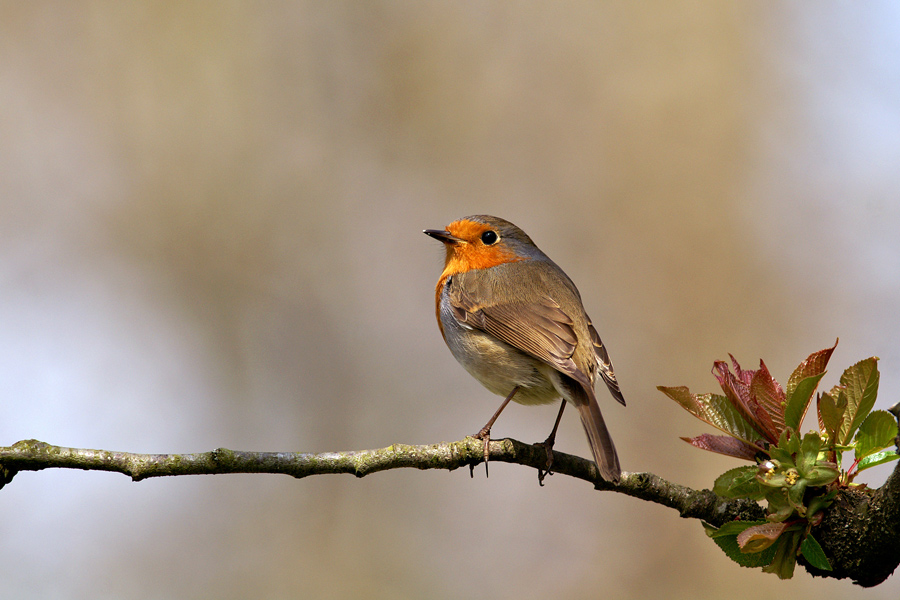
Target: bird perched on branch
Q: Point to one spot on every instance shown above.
(514, 320)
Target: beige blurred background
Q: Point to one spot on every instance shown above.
(210, 235)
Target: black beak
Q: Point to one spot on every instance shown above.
(442, 236)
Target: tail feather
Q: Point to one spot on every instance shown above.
(598, 435)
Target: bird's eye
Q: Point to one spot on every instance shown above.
(489, 237)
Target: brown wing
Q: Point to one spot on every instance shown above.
(539, 329)
(606, 367)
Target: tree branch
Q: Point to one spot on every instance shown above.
(860, 532)
(33, 455)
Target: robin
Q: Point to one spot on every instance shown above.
(514, 320)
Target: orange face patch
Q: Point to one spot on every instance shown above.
(472, 253)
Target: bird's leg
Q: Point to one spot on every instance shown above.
(485, 433)
(548, 444)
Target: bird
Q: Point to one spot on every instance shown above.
(515, 321)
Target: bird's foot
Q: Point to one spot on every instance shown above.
(485, 435)
(548, 448)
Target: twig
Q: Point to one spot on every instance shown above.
(33, 455)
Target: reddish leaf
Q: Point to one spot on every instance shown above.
(737, 389)
(759, 537)
(769, 396)
(724, 444)
(716, 410)
(743, 376)
(814, 365)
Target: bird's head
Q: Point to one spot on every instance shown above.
(481, 242)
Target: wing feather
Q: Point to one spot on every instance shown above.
(606, 367)
(540, 329)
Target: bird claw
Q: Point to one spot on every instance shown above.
(485, 435)
(548, 447)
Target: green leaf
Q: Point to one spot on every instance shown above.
(861, 388)
(788, 445)
(879, 458)
(832, 406)
(877, 432)
(740, 482)
(817, 504)
(814, 471)
(731, 528)
(781, 455)
(814, 554)
(785, 558)
(823, 473)
(714, 409)
(795, 496)
(780, 508)
(798, 401)
(809, 452)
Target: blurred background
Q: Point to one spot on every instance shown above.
(210, 235)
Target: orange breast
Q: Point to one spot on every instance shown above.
(437, 303)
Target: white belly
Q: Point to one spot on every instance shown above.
(498, 366)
